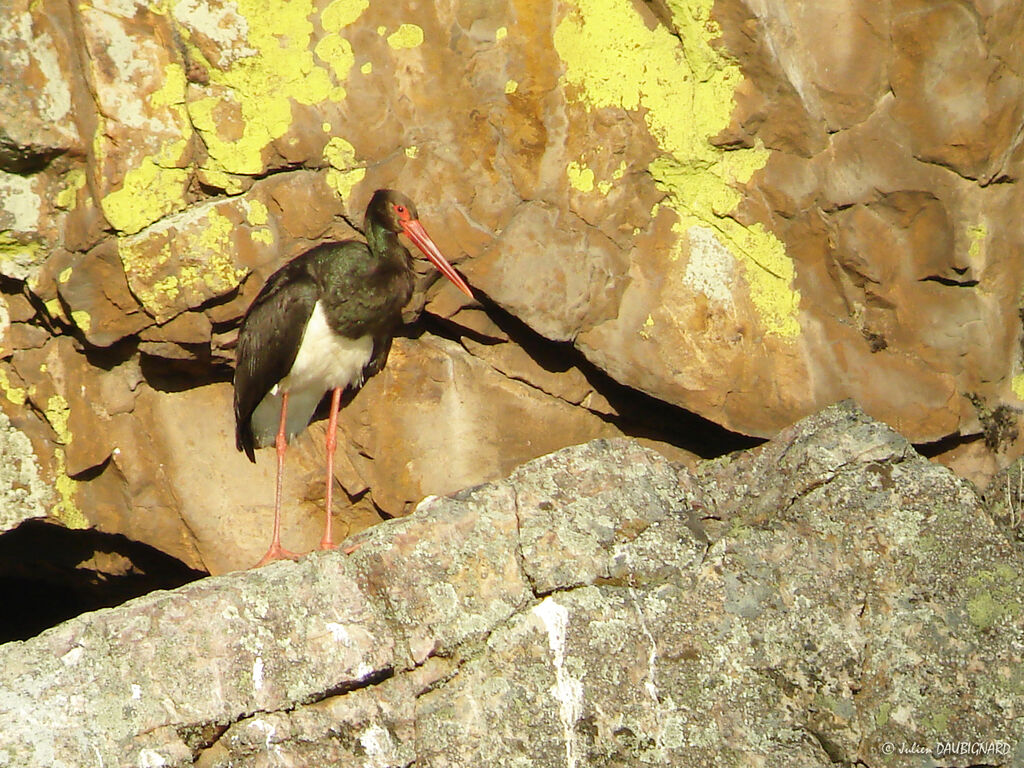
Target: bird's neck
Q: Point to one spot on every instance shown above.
(385, 245)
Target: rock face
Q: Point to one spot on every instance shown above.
(23, 493)
(830, 597)
(745, 209)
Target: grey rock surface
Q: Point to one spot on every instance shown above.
(24, 495)
(827, 598)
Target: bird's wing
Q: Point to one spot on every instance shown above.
(268, 342)
(381, 348)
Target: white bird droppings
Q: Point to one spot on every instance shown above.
(257, 673)
(567, 690)
(378, 745)
(339, 633)
(150, 758)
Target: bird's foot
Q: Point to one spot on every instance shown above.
(277, 552)
(328, 544)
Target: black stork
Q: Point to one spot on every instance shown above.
(323, 322)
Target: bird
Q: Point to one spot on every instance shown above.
(323, 323)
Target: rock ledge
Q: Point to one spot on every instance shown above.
(810, 602)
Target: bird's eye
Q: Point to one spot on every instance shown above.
(400, 209)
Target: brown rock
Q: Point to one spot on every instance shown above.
(35, 86)
(192, 495)
(201, 254)
(100, 304)
(828, 62)
(558, 378)
(960, 104)
(184, 337)
(428, 424)
(692, 316)
(5, 328)
(143, 145)
(552, 270)
(64, 389)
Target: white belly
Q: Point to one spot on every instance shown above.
(324, 362)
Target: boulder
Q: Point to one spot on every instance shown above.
(830, 597)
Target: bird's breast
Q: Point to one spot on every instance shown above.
(327, 359)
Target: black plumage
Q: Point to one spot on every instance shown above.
(361, 295)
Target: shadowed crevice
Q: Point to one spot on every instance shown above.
(49, 574)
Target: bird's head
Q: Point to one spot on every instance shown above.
(395, 212)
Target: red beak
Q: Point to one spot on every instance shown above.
(419, 236)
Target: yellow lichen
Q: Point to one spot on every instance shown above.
(343, 174)
(25, 254)
(263, 235)
(511, 86)
(406, 36)
(164, 292)
(66, 509)
(217, 271)
(500, 33)
(15, 395)
(684, 90)
(340, 154)
(55, 309)
(340, 13)
(140, 265)
(645, 331)
(82, 319)
(65, 275)
(67, 198)
(221, 180)
(1017, 385)
(343, 182)
(412, 152)
(580, 177)
(367, 68)
(256, 213)
(175, 266)
(258, 90)
(337, 53)
(158, 184)
(173, 91)
(148, 193)
(58, 414)
(976, 236)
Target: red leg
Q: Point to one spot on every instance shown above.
(276, 551)
(332, 443)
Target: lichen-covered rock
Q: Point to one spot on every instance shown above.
(24, 493)
(828, 598)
